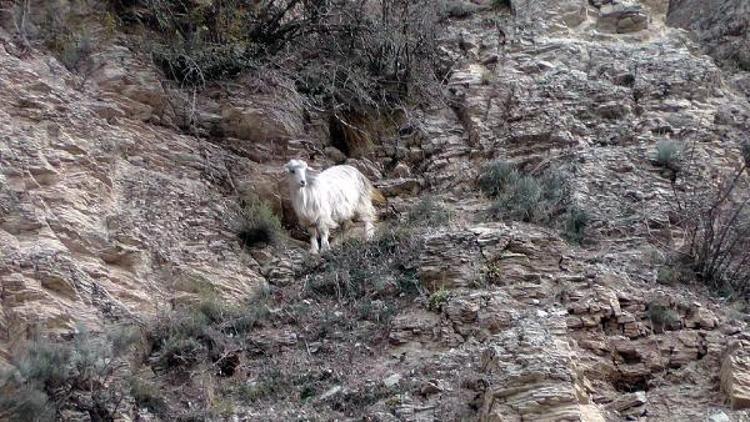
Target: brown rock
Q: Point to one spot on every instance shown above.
(735, 375)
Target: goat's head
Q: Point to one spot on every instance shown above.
(296, 173)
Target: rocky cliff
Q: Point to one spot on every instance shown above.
(117, 193)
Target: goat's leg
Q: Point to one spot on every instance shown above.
(369, 229)
(313, 231)
(324, 233)
(368, 215)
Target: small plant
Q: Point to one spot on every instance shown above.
(196, 333)
(529, 198)
(668, 155)
(667, 276)
(270, 382)
(543, 199)
(76, 49)
(662, 316)
(437, 300)
(576, 221)
(354, 267)
(256, 224)
(494, 273)
(496, 176)
(522, 199)
(429, 213)
(43, 368)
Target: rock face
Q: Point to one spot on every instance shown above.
(116, 196)
(734, 375)
(622, 19)
(104, 216)
(722, 25)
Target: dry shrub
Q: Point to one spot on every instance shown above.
(86, 375)
(350, 59)
(716, 220)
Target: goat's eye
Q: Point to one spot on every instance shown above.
(291, 171)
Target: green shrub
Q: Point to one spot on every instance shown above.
(256, 224)
(24, 403)
(668, 154)
(39, 370)
(521, 200)
(501, 3)
(437, 300)
(201, 332)
(667, 276)
(576, 221)
(543, 199)
(537, 199)
(496, 176)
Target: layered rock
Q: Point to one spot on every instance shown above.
(735, 382)
(722, 25)
(104, 216)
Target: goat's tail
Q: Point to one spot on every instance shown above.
(377, 197)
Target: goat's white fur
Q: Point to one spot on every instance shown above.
(324, 200)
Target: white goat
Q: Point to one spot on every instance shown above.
(323, 200)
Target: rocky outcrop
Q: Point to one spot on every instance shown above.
(622, 18)
(723, 26)
(533, 374)
(735, 371)
(104, 217)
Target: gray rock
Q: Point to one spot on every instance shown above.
(719, 417)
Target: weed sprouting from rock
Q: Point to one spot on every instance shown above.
(256, 224)
(428, 212)
(662, 317)
(437, 299)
